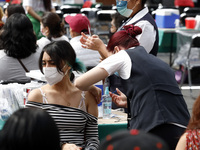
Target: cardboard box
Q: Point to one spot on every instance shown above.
(165, 18)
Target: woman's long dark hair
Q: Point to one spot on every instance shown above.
(30, 129)
(17, 36)
(61, 51)
(15, 8)
(54, 23)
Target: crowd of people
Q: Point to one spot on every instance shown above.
(63, 113)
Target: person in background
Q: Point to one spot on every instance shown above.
(11, 9)
(155, 103)
(20, 53)
(116, 22)
(137, 14)
(191, 138)
(29, 129)
(132, 140)
(52, 30)
(74, 111)
(80, 23)
(35, 10)
(14, 8)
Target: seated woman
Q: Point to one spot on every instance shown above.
(20, 53)
(29, 129)
(74, 111)
(52, 30)
(35, 9)
(153, 99)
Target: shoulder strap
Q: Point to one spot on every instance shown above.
(22, 65)
(44, 99)
(82, 102)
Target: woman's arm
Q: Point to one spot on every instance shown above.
(181, 143)
(33, 13)
(91, 77)
(96, 92)
(91, 104)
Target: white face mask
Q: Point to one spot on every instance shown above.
(42, 30)
(52, 75)
(4, 18)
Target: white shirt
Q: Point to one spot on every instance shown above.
(90, 58)
(63, 37)
(120, 62)
(148, 36)
(37, 5)
(44, 41)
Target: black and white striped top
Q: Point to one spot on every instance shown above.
(75, 126)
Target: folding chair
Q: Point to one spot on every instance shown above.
(189, 63)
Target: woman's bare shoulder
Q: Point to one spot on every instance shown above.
(35, 95)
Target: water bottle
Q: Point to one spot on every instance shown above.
(107, 104)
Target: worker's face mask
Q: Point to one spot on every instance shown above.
(122, 8)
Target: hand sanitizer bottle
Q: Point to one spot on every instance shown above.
(107, 104)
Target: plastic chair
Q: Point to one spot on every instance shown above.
(189, 64)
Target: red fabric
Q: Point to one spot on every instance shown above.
(193, 140)
(183, 3)
(78, 22)
(87, 4)
(16, 2)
